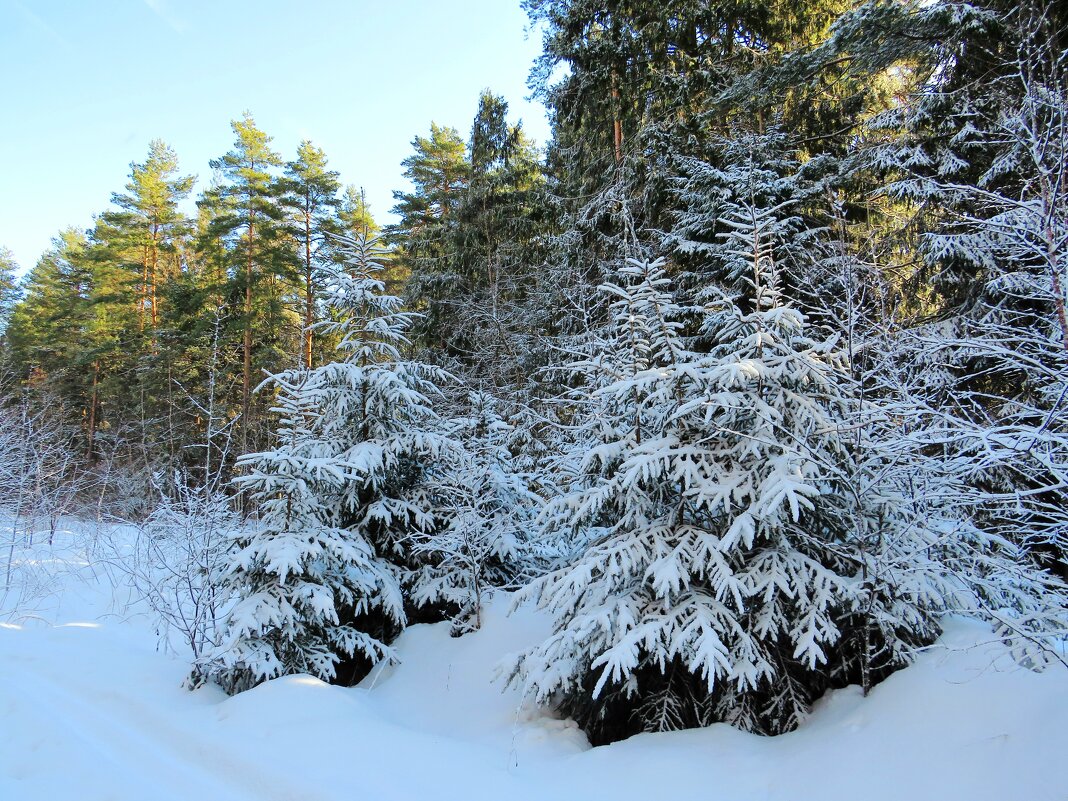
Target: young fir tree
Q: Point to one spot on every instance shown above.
(355, 214)
(755, 183)
(355, 219)
(488, 509)
(794, 206)
(724, 545)
(320, 581)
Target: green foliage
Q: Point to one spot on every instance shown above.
(129, 324)
(439, 172)
(247, 219)
(9, 290)
(468, 230)
(309, 197)
(50, 326)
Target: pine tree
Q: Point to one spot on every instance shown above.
(9, 286)
(150, 222)
(138, 249)
(311, 195)
(48, 332)
(429, 216)
(246, 216)
(73, 336)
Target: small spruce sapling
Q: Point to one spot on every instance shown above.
(488, 508)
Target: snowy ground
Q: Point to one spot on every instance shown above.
(91, 710)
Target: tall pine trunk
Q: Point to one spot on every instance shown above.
(246, 375)
(93, 402)
(309, 295)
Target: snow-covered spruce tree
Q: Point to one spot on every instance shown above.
(990, 375)
(738, 563)
(487, 512)
(320, 579)
(749, 172)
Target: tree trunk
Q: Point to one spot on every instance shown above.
(92, 410)
(143, 300)
(246, 375)
(153, 268)
(309, 295)
(617, 123)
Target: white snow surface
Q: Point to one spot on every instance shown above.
(91, 709)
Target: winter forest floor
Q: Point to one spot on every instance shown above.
(91, 709)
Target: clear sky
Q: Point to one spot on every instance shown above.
(86, 84)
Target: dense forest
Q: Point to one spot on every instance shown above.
(751, 375)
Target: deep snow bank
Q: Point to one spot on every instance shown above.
(90, 710)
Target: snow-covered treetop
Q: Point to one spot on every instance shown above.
(371, 323)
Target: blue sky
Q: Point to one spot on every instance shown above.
(88, 83)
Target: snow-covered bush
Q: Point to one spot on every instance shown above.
(41, 475)
(178, 563)
(41, 478)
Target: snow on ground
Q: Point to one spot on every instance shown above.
(91, 710)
